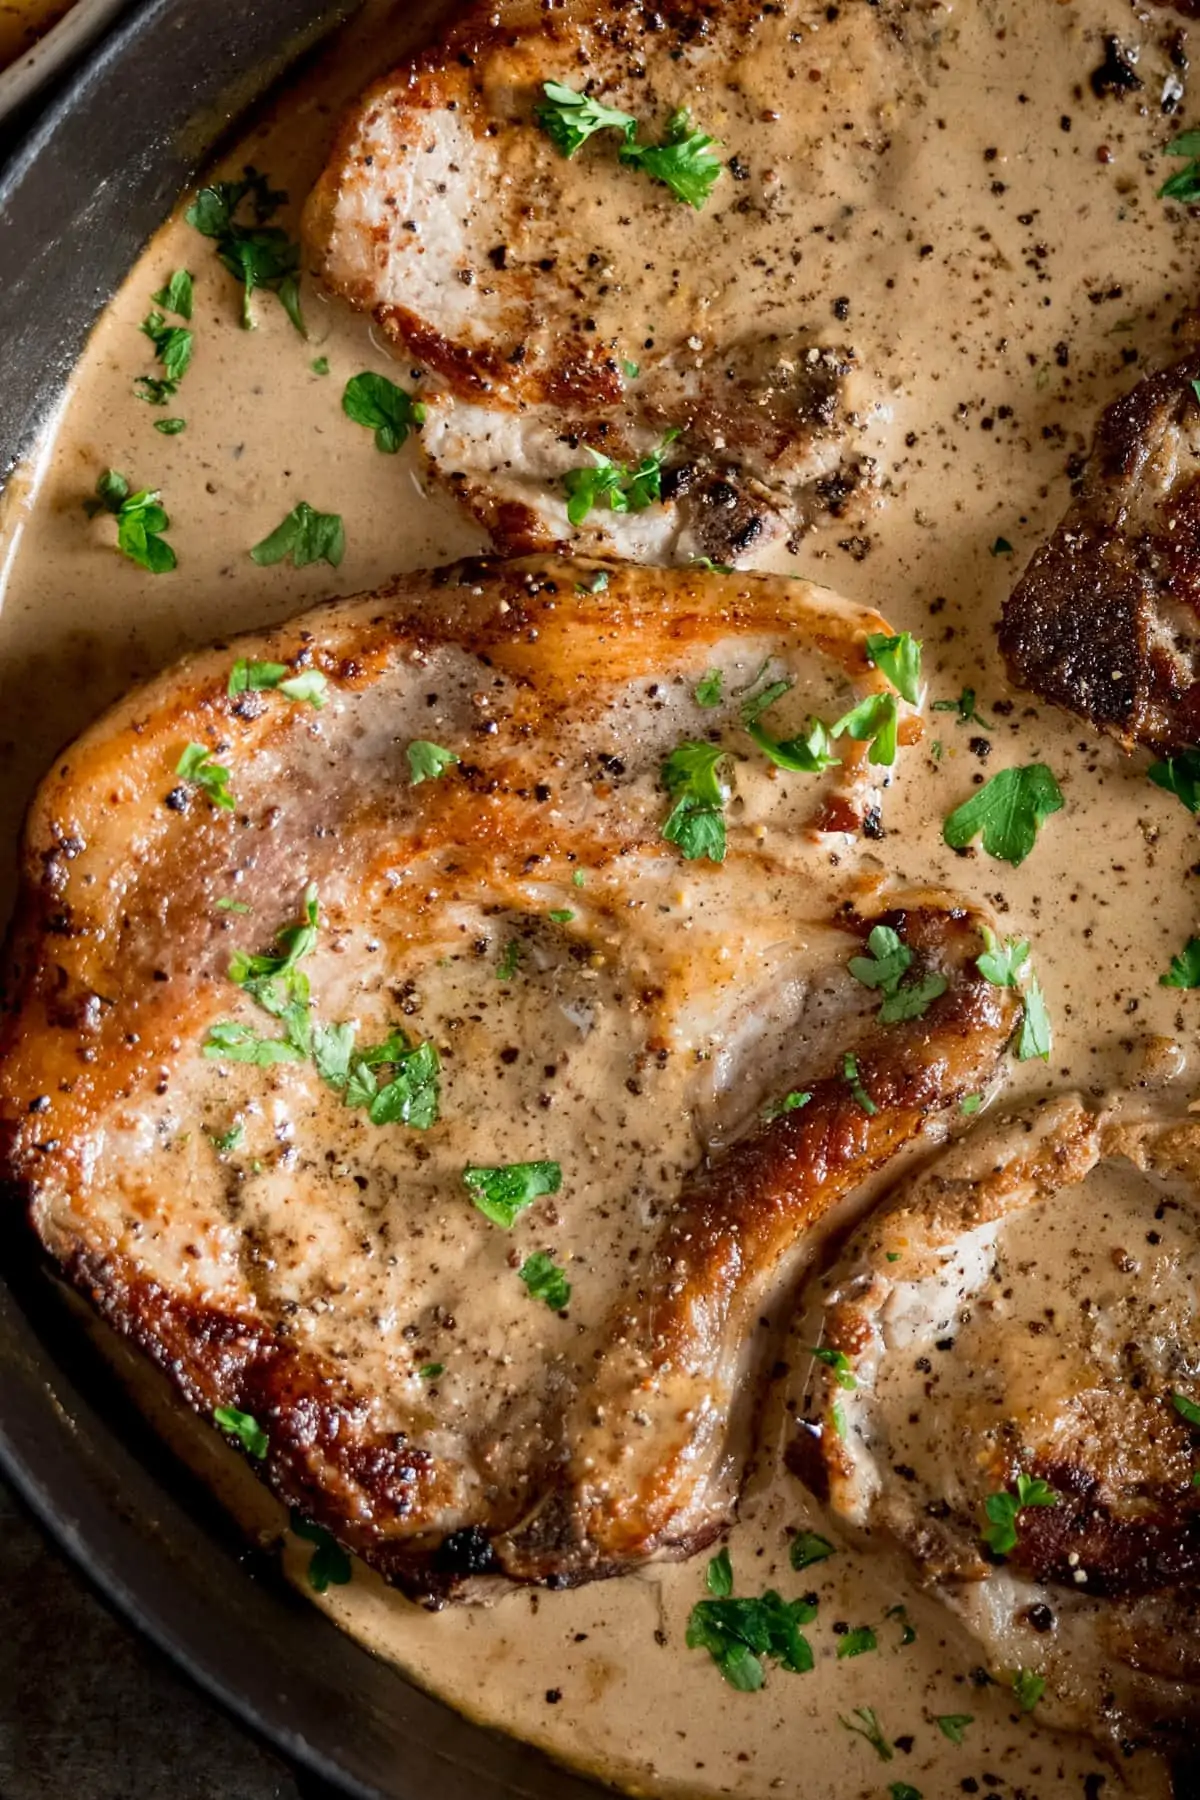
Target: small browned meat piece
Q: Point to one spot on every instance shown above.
(1018, 1403)
(1106, 619)
(465, 845)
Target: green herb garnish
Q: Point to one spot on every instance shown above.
(231, 1042)
(198, 769)
(884, 967)
(718, 1577)
(545, 1281)
(170, 427)
(1001, 964)
(616, 485)
(808, 1547)
(431, 1371)
(738, 1634)
(140, 520)
(245, 1428)
(775, 1109)
(329, 1565)
(307, 685)
(306, 536)
(899, 658)
(696, 821)
(319, 365)
(1185, 968)
(1002, 547)
(1028, 1689)
(839, 1363)
(953, 1725)
(809, 753)
(685, 160)
(428, 762)
(502, 1193)
(569, 119)
(1034, 1037)
(176, 297)
(374, 401)
(1184, 185)
(173, 347)
(874, 720)
(1008, 810)
(868, 1727)
(853, 1081)
(710, 689)
(507, 967)
(1004, 1510)
(1180, 775)
(1187, 1409)
(857, 1642)
(964, 706)
(560, 915)
(258, 254)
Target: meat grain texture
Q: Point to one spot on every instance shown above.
(593, 1000)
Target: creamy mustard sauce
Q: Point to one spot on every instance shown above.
(1005, 271)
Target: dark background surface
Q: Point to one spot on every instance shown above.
(90, 1711)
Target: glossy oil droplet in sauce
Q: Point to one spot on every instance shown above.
(1002, 268)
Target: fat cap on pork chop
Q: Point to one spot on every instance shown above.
(567, 306)
(1025, 1312)
(227, 1026)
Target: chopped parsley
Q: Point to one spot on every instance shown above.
(792, 1102)
(306, 536)
(685, 161)
(1187, 1409)
(1180, 775)
(1002, 547)
(225, 1141)
(1034, 1037)
(502, 1193)
(256, 253)
(616, 485)
(329, 1565)
(307, 685)
(808, 1547)
(908, 1631)
(176, 296)
(409, 1096)
(545, 1280)
(319, 365)
(1008, 811)
(596, 585)
(953, 1725)
(197, 768)
(874, 721)
(839, 1363)
(374, 401)
(1001, 964)
(868, 1727)
(902, 1790)
(970, 1104)
(710, 689)
(569, 119)
(173, 348)
(1184, 185)
(428, 762)
(245, 1428)
(899, 658)
(1004, 1511)
(696, 821)
(738, 1634)
(853, 1081)
(884, 968)
(809, 753)
(170, 427)
(712, 568)
(431, 1371)
(560, 915)
(1185, 968)
(856, 1642)
(506, 968)
(140, 521)
(964, 706)
(231, 1042)
(1028, 1689)
(1007, 966)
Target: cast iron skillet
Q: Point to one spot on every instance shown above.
(77, 203)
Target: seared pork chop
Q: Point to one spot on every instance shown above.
(1019, 1404)
(266, 1017)
(1106, 619)
(564, 306)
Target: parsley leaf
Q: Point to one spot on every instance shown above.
(1187, 1409)
(140, 520)
(329, 1565)
(902, 1790)
(1001, 964)
(887, 962)
(873, 720)
(839, 1362)
(869, 1727)
(231, 1042)
(792, 1102)
(808, 1547)
(953, 1725)
(507, 967)
(223, 1142)
(808, 754)
(412, 1095)
(569, 119)
(857, 1642)
(1004, 1511)
(1008, 810)
(501, 1194)
(176, 297)
(970, 1104)
(738, 1633)
(913, 1001)
(256, 677)
(545, 1280)
(173, 347)
(306, 536)
(319, 365)
(710, 689)
(1180, 775)
(197, 768)
(561, 915)
(685, 160)
(259, 255)
(1035, 1037)
(1185, 968)
(851, 1077)
(908, 1631)
(899, 658)
(1002, 547)
(719, 1575)
(431, 1371)
(964, 706)
(696, 822)
(616, 485)
(245, 1428)
(428, 762)
(374, 401)
(1028, 1689)
(1184, 185)
(170, 427)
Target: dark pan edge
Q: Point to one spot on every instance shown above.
(157, 96)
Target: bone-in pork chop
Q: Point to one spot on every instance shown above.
(417, 1076)
(1017, 1402)
(1106, 619)
(562, 306)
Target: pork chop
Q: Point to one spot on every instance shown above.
(419, 1077)
(1105, 620)
(567, 307)
(1017, 1402)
